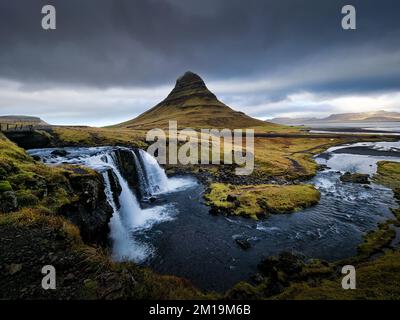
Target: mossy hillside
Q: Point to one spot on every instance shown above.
(34, 183)
(83, 272)
(260, 200)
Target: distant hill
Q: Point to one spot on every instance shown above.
(192, 105)
(374, 116)
(12, 119)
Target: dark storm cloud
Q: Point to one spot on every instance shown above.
(109, 60)
(138, 43)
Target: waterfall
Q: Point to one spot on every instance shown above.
(152, 177)
(127, 218)
(129, 221)
(124, 247)
(143, 181)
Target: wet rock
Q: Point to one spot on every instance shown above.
(30, 139)
(116, 188)
(59, 153)
(14, 268)
(69, 278)
(257, 278)
(243, 243)
(231, 198)
(152, 199)
(287, 263)
(396, 192)
(355, 178)
(90, 212)
(322, 167)
(8, 201)
(126, 163)
(36, 158)
(290, 263)
(268, 266)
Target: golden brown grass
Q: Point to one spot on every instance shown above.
(90, 136)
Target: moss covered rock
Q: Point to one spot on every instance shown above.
(257, 201)
(8, 201)
(5, 186)
(355, 178)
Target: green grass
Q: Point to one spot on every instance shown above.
(5, 186)
(376, 240)
(388, 174)
(90, 136)
(260, 200)
(377, 280)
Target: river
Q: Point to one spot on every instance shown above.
(177, 235)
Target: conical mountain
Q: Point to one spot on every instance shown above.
(192, 105)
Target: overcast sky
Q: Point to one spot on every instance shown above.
(108, 61)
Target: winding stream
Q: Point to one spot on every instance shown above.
(176, 234)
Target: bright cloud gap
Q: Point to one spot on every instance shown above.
(98, 107)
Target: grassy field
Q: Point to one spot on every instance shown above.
(89, 136)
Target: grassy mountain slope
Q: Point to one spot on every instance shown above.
(191, 104)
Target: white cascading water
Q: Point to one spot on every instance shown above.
(157, 180)
(129, 220)
(124, 247)
(143, 182)
(129, 217)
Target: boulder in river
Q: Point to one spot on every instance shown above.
(59, 153)
(243, 243)
(355, 178)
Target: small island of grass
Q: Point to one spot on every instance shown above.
(256, 201)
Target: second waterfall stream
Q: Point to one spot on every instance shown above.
(129, 218)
